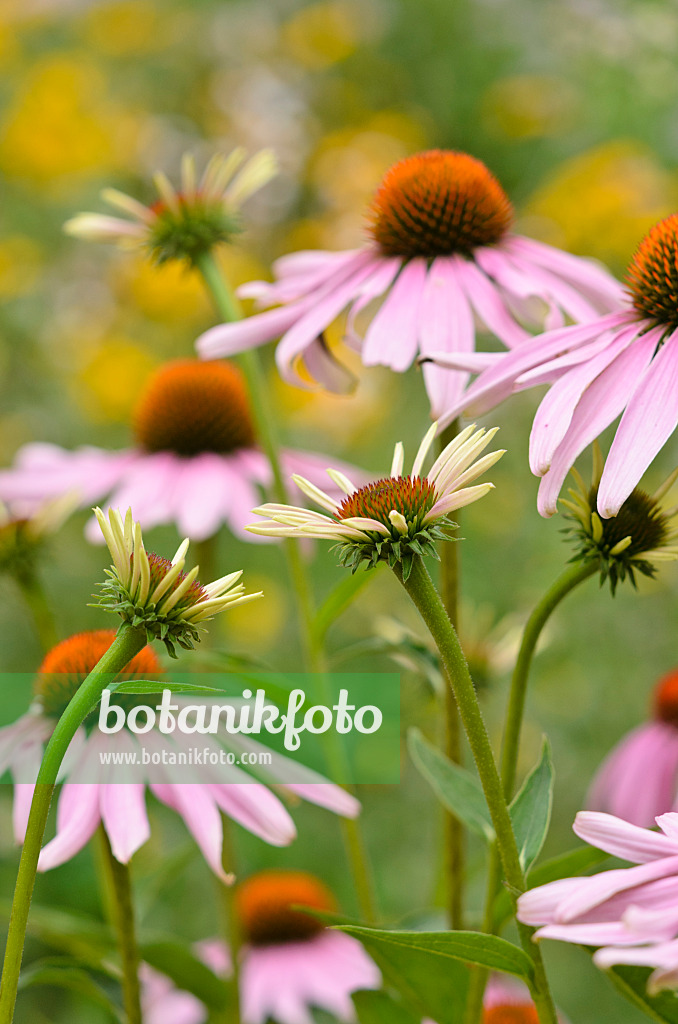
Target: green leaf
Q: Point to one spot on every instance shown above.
(429, 968)
(336, 603)
(141, 686)
(565, 865)
(83, 937)
(429, 986)
(63, 973)
(531, 809)
(455, 787)
(379, 1008)
(186, 971)
(631, 982)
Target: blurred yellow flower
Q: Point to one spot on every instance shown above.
(602, 202)
(529, 106)
(21, 261)
(323, 33)
(173, 293)
(124, 27)
(109, 383)
(61, 123)
(263, 626)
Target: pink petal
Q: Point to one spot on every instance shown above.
(557, 408)
(446, 325)
(229, 339)
(254, 807)
(648, 422)
(590, 277)
(123, 812)
(621, 839)
(488, 303)
(77, 820)
(196, 805)
(597, 408)
(392, 337)
(639, 779)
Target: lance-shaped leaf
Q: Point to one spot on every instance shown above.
(531, 809)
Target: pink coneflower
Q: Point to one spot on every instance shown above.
(638, 781)
(631, 912)
(87, 798)
(195, 462)
(440, 249)
(622, 363)
(290, 962)
(163, 1003)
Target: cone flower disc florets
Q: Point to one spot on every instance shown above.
(396, 517)
(154, 592)
(184, 223)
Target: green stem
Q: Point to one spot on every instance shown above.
(427, 601)
(249, 362)
(128, 642)
(454, 829)
(541, 613)
(566, 582)
(38, 605)
(231, 924)
(228, 307)
(121, 905)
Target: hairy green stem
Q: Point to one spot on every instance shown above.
(121, 906)
(541, 613)
(427, 601)
(228, 307)
(454, 829)
(231, 924)
(38, 605)
(128, 642)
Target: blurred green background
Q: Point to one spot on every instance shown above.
(572, 104)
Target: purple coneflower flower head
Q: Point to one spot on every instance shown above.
(153, 592)
(638, 781)
(394, 518)
(442, 259)
(632, 913)
(624, 363)
(642, 535)
(290, 961)
(195, 462)
(183, 223)
(88, 798)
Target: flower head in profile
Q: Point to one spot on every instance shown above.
(638, 780)
(195, 461)
(89, 795)
(441, 258)
(24, 530)
(621, 364)
(183, 223)
(395, 518)
(631, 913)
(151, 591)
(642, 534)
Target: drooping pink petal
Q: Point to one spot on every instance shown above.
(196, 805)
(446, 324)
(329, 371)
(316, 318)
(77, 820)
(123, 813)
(622, 839)
(650, 418)
(258, 810)
(254, 331)
(557, 408)
(588, 276)
(639, 780)
(373, 288)
(600, 404)
(392, 337)
(44, 471)
(487, 303)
